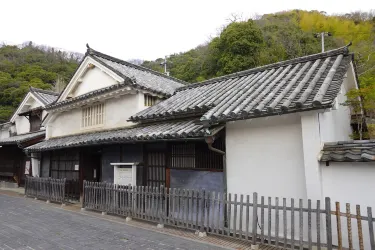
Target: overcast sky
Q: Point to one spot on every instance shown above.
(139, 28)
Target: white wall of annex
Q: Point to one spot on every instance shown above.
(94, 79)
(350, 182)
(266, 156)
(117, 112)
(22, 125)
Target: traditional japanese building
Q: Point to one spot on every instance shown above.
(23, 129)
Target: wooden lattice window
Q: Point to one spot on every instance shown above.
(93, 116)
(183, 155)
(150, 100)
(65, 164)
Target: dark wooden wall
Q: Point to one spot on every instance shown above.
(12, 160)
(35, 122)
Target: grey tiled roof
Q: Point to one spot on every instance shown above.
(45, 96)
(176, 130)
(134, 76)
(144, 77)
(88, 95)
(349, 151)
(22, 138)
(305, 83)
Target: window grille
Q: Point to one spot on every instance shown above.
(93, 116)
(150, 100)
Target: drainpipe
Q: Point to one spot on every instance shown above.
(210, 140)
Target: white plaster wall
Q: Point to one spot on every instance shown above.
(117, 112)
(4, 133)
(22, 125)
(266, 156)
(350, 182)
(93, 79)
(335, 124)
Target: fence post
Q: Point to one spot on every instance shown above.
(328, 223)
(371, 228)
(26, 185)
(201, 232)
(255, 221)
(63, 192)
(83, 206)
(130, 203)
(160, 209)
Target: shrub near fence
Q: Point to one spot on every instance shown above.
(280, 222)
(45, 188)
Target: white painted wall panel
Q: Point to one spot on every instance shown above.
(350, 182)
(117, 112)
(93, 79)
(335, 124)
(266, 156)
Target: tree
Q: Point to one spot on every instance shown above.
(30, 65)
(237, 48)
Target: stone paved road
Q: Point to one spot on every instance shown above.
(25, 224)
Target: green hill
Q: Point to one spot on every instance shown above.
(274, 37)
(31, 65)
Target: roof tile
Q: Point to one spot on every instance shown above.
(310, 82)
(175, 130)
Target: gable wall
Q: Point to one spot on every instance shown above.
(93, 79)
(117, 112)
(22, 123)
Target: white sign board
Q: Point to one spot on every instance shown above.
(124, 173)
(124, 176)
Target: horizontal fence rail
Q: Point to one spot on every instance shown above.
(286, 223)
(45, 188)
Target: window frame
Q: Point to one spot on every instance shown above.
(87, 118)
(149, 100)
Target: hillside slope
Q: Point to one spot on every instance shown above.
(275, 37)
(31, 65)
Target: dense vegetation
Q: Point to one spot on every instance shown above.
(31, 65)
(240, 45)
(245, 44)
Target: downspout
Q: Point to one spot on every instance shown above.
(210, 140)
(210, 147)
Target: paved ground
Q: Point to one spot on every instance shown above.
(25, 224)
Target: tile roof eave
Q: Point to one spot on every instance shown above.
(122, 141)
(348, 151)
(182, 130)
(127, 83)
(29, 136)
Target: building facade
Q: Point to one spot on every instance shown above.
(23, 129)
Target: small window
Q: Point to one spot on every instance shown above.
(93, 116)
(150, 100)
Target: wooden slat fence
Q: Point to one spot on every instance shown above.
(286, 223)
(45, 188)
